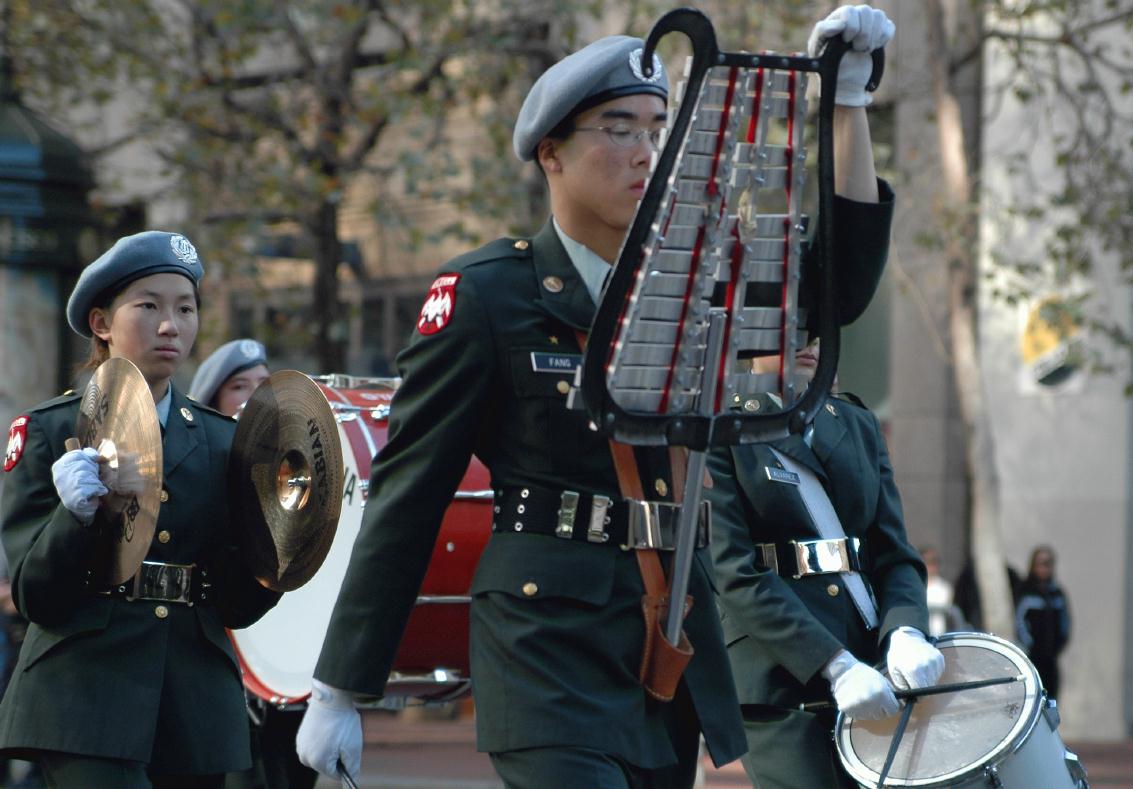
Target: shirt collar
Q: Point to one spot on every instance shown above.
(588, 263)
(164, 404)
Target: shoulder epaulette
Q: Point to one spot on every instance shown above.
(850, 397)
(500, 249)
(67, 397)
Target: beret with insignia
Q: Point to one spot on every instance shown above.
(131, 258)
(223, 363)
(607, 69)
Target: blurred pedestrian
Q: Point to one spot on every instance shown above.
(943, 614)
(1042, 618)
(966, 593)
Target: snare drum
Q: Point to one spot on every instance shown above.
(278, 653)
(996, 736)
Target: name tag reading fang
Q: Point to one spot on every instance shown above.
(542, 362)
(781, 475)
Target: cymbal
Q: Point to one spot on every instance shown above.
(117, 416)
(285, 475)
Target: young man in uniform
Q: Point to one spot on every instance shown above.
(556, 624)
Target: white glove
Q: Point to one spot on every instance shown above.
(860, 691)
(912, 661)
(865, 29)
(331, 731)
(76, 481)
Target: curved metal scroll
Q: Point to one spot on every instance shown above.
(682, 420)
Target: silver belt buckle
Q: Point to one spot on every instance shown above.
(767, 556)
(596, 532)
(653, 525)
(158, 581)
(568, 508)
(819, 557)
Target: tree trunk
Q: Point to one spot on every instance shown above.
(329, 318)
(961, 222)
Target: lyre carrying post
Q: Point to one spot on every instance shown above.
(701, 278)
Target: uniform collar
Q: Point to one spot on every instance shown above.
(588, 263)
(562, 291)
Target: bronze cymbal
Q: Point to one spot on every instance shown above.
(285, 475)
(117, 416)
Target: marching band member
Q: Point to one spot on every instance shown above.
(796, 633)
(227, 378)
(557, 632)
(130, 686)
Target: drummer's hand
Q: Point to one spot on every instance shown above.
(76, 481)
(860, 691)
(331, 730)
(865, 29)
(912, 661)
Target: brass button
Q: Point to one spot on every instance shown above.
(161, 612)
(553, 284)
(522, 244)
(163, 536)
(530, 589)
(661, 487)
(187, 414)
(563, 387)
(751, 405)
(164, 495)
(832, 590)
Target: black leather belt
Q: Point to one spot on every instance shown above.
(170, 583)
(586, 517)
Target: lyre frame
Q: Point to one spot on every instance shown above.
(699, 431)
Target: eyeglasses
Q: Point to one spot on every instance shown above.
(627, 136)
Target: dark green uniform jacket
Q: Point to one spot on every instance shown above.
(104, 676)
(557, 629)
(781, 631)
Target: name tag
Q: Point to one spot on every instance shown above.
(781, 475)
(555, 362)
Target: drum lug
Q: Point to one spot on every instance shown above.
(1076, 769)
(991, 772)
(1050, 712)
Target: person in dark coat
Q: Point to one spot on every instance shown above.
(557, 631)
(136, 685)
(795, 634)
(1042, 618)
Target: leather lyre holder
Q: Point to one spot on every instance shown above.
(662, 662)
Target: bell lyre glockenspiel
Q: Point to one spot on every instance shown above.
(708, 275)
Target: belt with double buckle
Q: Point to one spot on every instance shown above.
(169, 583)
(800, 558)
(571, 515)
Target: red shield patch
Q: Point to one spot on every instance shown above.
(17, 439)
(437, 310)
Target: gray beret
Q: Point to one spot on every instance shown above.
(607, 69)
(227, 360)
(131, 258)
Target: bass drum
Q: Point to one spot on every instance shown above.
(278, 653)
(996, 736)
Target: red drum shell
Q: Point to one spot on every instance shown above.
(278, 653)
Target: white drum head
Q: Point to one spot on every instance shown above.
(951, 735)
